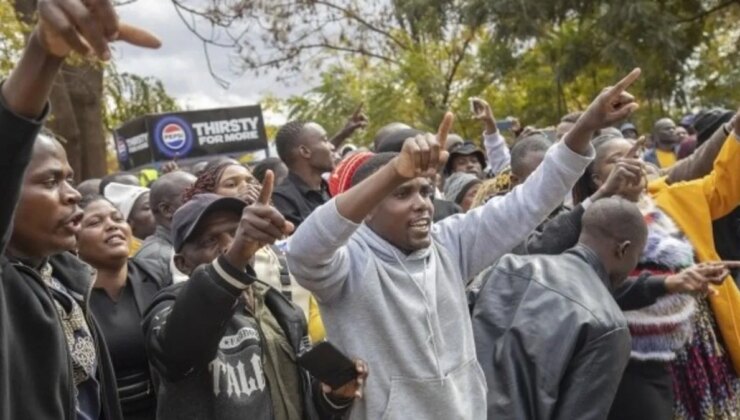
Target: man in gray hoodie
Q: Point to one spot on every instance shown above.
(390, 285)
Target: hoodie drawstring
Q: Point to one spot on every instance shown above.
(427, 305)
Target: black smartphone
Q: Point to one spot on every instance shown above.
(329, 365)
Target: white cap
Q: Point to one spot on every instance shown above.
(123, 196)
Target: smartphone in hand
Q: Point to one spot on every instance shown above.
(475, 105)
(329, 365)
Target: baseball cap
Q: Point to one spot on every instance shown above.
(627, 126)
(191, 214)
(710, 120)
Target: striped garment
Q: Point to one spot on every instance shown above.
(705, 384)
(661, 329)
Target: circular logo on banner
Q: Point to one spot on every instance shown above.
(122, 149)
(173, 137)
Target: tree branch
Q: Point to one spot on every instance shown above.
(708, 12)
(456, 65)
(352, 15)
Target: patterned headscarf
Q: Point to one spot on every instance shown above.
(498, 185)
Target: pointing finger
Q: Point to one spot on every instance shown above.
(627, 81)
(358, 111)
(636, 148)
(137, 36)
(731, 264)
(267, 186)
(444, 129)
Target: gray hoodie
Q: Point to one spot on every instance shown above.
(406, 315)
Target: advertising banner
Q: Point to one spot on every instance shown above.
(190, 134)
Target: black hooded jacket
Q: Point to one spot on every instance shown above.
(36, 377)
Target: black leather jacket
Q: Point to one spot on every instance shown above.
(552, 342)
(155, 254)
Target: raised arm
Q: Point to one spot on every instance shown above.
(63, 25)
(699, 163)
(185, 323)
(722, 186)
(420, 157)
(22, 104)
(356, 121)
(480, 237)
(317, 255)
(497, 151)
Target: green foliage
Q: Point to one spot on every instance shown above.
(128, 96)
(533, 59)
(11, 37)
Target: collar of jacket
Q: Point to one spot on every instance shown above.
(69, 270)
(303, 188)
(590, 257)
(143, 283)
(163, 233)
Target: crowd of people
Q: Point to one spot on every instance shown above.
(578, 272)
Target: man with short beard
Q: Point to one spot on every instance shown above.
(378, 266)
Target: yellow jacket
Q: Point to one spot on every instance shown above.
(693, 206)
(315, 325)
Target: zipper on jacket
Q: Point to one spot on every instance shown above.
(93, 332)
(70, 368)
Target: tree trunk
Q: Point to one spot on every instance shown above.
(76, 110)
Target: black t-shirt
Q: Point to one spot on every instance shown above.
(120, 322)
(295, 200)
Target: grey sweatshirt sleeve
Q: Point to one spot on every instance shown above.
(497, 152)
(317, 254)
(480, 237)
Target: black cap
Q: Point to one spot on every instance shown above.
(191, 214)
(708, 121)
(465, 149)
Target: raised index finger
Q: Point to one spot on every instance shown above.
(267, 186)
(137, 36)
(627, 81)
(444, 129)
(636, 147)
(358, 111)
